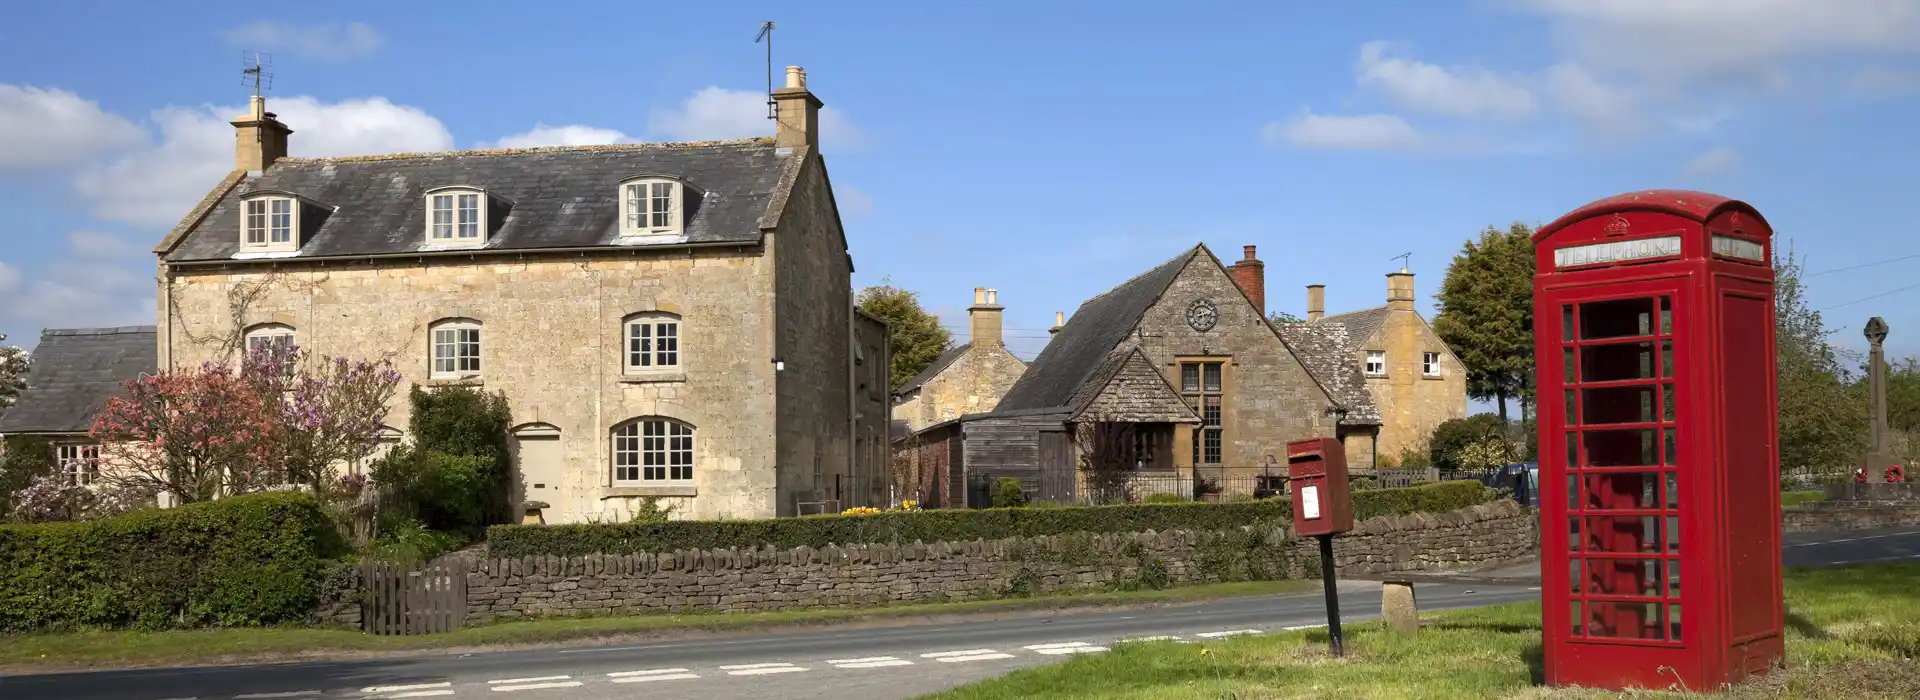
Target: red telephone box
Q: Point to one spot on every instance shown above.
(1317, 469)
(1653, 331)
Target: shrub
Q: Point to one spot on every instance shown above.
(248, 560)
(406, 539)
(949, 525)
(443, 491)
(1166, 498)
(1453, 436)
(468, 422)
(1008, 493)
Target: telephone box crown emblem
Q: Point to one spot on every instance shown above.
(1618, 226)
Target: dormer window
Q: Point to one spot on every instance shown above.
(267, 224)
(455, 217)
(650, 207)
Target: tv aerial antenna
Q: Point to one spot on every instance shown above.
(256, 71)
(766, 33)
(1404, 258)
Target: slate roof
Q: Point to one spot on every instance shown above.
(939, 365)
(75, 371)
(1328, 349)
(539, 198)
(1091, 334)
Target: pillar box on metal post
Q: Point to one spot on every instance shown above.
(1322, 507)
(1659, 435)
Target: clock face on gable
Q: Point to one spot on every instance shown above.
(1201, 315)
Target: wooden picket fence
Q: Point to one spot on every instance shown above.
(413, 597)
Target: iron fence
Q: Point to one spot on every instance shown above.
(1217, 485)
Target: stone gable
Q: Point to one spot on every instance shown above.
(1411, 403)
(972, 383)
(1133, 391)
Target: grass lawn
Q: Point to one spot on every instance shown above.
(53, 651)
(1789, 499)
(1853, 633)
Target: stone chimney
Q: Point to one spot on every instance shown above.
(799, 112)
(1316, 302)
(1251, 275)
(1400, 290)
(259, 137)
(983, 320)
(1059, 322)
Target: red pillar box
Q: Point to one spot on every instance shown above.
(1317, 469)
(1660, 505)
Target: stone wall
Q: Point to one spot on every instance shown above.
(1268, 396)
(813, 307)
(734, 580)
(1823, 517)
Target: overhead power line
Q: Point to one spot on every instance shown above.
(1871, 298)
(1861, 266)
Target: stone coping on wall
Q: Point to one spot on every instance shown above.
(1854, 515)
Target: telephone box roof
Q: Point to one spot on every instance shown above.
(1698, 206)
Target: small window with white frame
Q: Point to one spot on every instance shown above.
(1376, 363)
(650, 207)
(79, 462)
(653, 342)
(455, 349)
(269, 223)
(652, 452)
(456, 216)
(1430, 364)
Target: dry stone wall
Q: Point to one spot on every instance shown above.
(744, 580)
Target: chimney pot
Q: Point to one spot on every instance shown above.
(796, 77)
(993, 296)
(1316, 302)
(1059, 321)
(979, 296)
(1248, 250)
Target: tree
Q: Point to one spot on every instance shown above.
(1109, 457)
(212, 430)
(1453, 437)
(14, 365)
(1821, 421)
(1486, 314)
(917, 337)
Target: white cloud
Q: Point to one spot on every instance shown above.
(66, 295)
(93, 244)
(157, 185)
(1608, 109)
(1884, 81)
(852, 202)
(1718, 161)
(569, 135)
(50, 128)
(324, 42)
(718, 113)
(1456, 92)
(1361, 131)
(1679, 40)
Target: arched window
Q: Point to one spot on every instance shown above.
(455, 350)
(651, 207)
(456, 216)
(652, 452)
(275, 338)
(652, 342)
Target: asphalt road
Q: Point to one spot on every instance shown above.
(859, 663)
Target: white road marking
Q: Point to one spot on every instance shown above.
(1156, 638)
(541, 679)
(1065, 648)
(871, 662)
(536, 686)
(658, 674)
(384, 689)
(760, 669)
(967, 655)
(1228, 633)
(1297, 628)
(1533, 588)
(266, 696)
(420, 694)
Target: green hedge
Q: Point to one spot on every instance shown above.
(948, 525)
(248, 560)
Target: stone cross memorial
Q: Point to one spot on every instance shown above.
(1881, 456)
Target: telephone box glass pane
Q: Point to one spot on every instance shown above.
(1616, 319)
(1573, 533)
(1639, 577)
(1579, 621)
(1673, 622)
(1673, 534)
(1566, 322)
(1666, 358)
(1673, 578)
(1573, 492)
(1573, 451)
(1673, 455)
(1621, 448)
(1666, 315)
(1573, 575)
(1673, 490)
(1623, 491)
(1573, 416)
(1666, 402)
(1567, 362)
(1624, 534)
(1625, 620)
(1618, 404)
(1614, 362)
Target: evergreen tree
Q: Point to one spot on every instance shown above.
(918, 339)
(1486, 314)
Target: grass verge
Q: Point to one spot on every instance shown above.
(1789, 499)
(1852, 633)
(110, 649)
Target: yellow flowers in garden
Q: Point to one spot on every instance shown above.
(861, 510)
(907, 505)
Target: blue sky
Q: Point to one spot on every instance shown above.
(1044, 149)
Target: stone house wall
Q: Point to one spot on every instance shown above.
(974, 383)
(1269, 397)
(1411, 402)
(735, 580)
(551, 341)
(813, 291)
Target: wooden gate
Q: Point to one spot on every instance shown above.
(412, 598)
(1058, 474)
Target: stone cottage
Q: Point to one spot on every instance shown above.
(75, 372)
(1412, 376)
(667, 320)
(969, 378)
(1183, 355)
